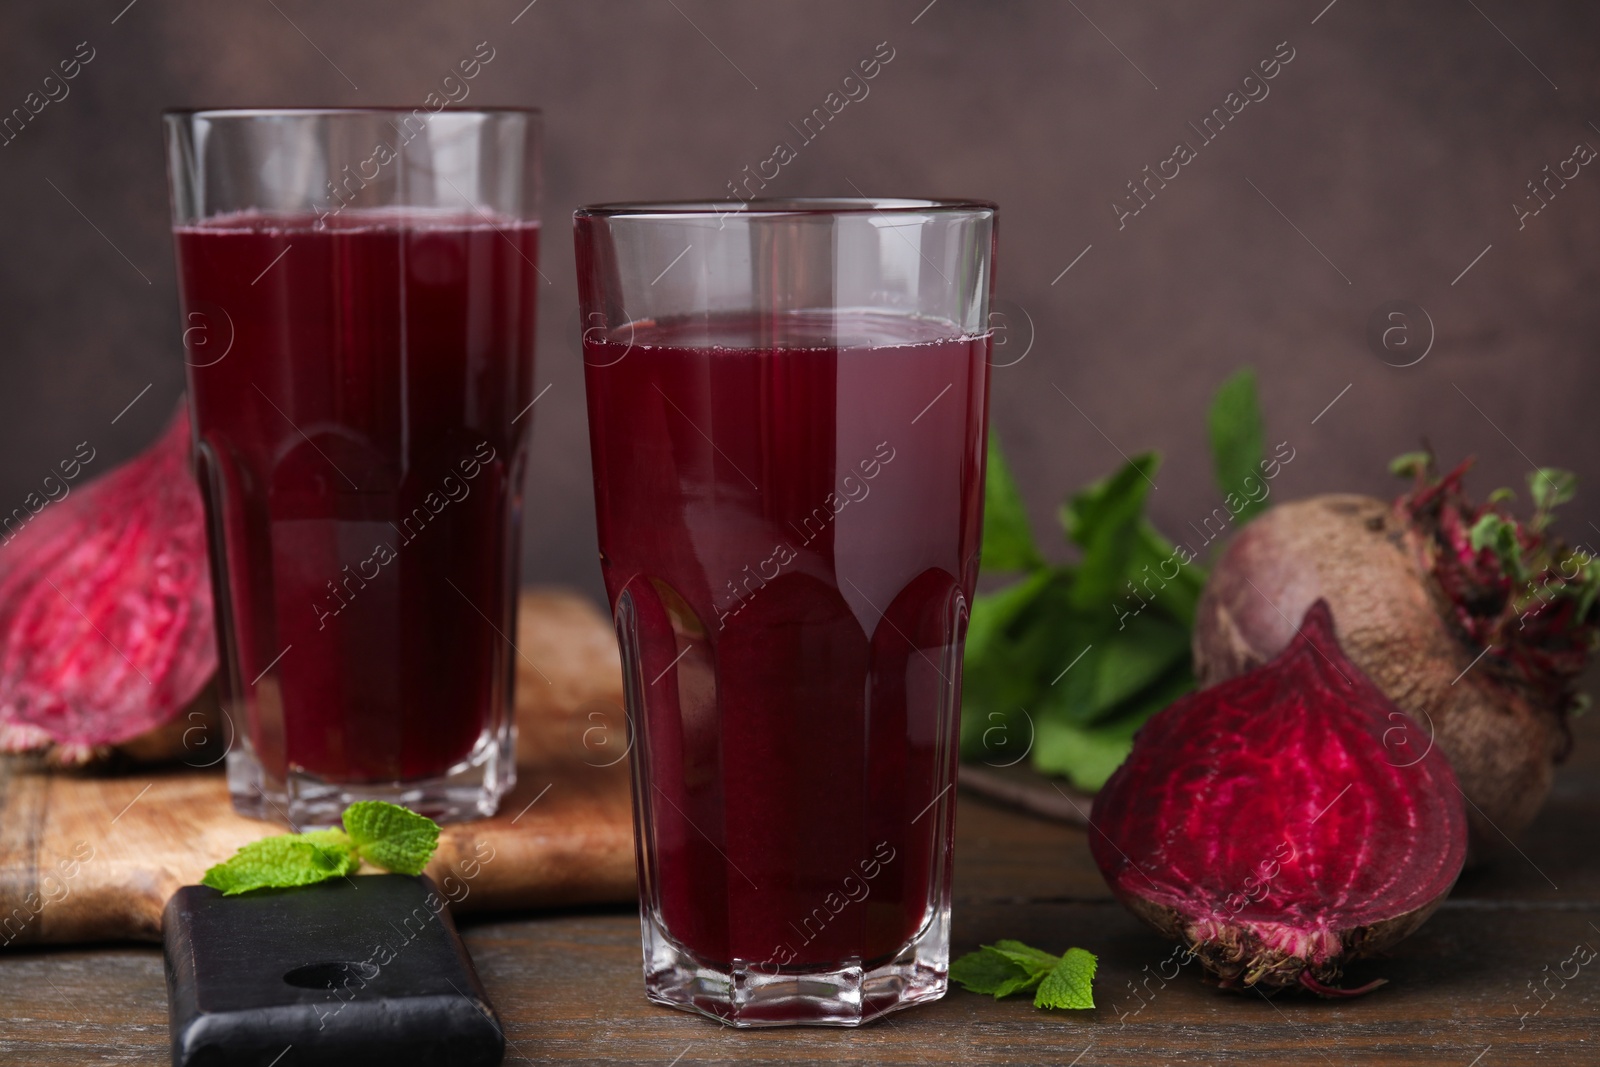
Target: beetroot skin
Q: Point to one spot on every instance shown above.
(106, 629)
(1283, 821)
(1456, 641)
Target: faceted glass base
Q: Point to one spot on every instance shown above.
(748, 995)
(470, 790)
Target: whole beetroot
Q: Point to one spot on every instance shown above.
(1475, 624)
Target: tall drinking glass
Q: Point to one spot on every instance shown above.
(357, 290)
(787, 408)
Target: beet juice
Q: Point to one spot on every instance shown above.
(356, 384)
(789, 514)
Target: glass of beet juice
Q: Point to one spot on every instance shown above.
(357, 294)
(787, 408)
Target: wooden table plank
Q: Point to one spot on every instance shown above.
(557, 983)
(142, 833)
(569, 988)
(83, 1006)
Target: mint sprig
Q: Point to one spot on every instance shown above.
(382, 834)
(1008, 967)
(280, 862)
(389, 836)
(1063, 665)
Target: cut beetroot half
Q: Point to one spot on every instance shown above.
(106, 628)
(1283, 821)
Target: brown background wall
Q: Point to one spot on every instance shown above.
(1396, 140)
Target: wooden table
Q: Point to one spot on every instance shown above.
(568, 984)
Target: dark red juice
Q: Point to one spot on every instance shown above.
(354, 384)
(789, 516)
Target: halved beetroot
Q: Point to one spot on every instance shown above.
(1283, 821)
(106, 629)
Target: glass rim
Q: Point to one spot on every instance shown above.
(328, 112)
(782, 206)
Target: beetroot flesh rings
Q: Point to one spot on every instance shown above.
(106, 628)
(1284, 820)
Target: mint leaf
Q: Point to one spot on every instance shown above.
(1002, 971)
(1086, 757)
(1035, 961)
(1000, 668)
(283, 861)
(1119, 664)
(1070, 984)
(986, 971)
(993, 615)
(335, 839)
(1088, 754)
(1007, 537)
(1234, 422)
(1019, 984)
(1103, 519)
(1007, 967)
(389, 836)
(1147, 649)
(385, 835)
(1173, 584)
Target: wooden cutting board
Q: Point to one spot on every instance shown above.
(90, 856)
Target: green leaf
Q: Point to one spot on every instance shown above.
(385, 835)
(1003, 968)
(1007, 538)
(282, 861)
(1103, 519)
(1117, 666)
(334, 838)
(1036, 962)
(999, 667)
(1499, 534)
(389, 836)
(1105, 503)
(1172, 583)
(1021, 983)
(1149, 701)
(1488, 531)
(1411, 464)
(1071, 983)
(1140, 654)
(1590, 588)
(1007, 967)
(987, 971)
(1237, 436)
(1502, 495)
(993, 613)
(1585, 583)
(1087, 755)
(1551, 487)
